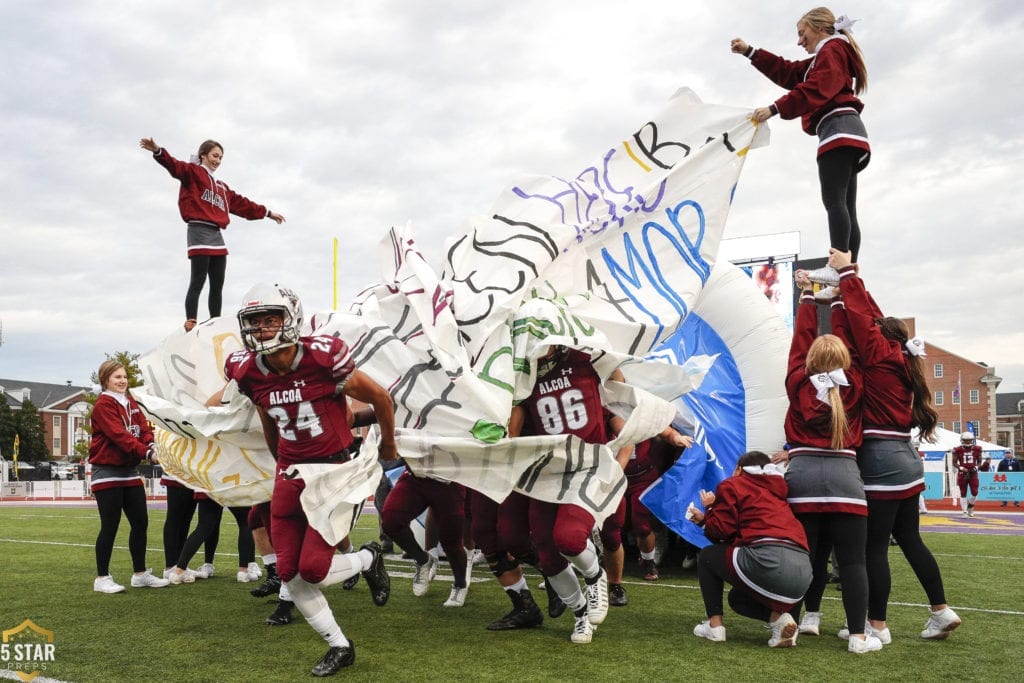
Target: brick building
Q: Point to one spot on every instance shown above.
(963, 391)
(62, 408)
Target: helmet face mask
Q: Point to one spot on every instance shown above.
(554, 356)
(261, 302)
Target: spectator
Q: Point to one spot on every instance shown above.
(1009, 464)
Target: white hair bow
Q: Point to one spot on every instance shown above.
(844, 23)
(823, 381)
(915, 347)
(771, 470)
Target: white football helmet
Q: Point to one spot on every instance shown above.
(270, 298)
(967, 439)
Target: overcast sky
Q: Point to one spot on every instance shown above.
(350, 117)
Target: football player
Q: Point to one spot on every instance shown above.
(299, 386)
(966, 460)
(566, 399)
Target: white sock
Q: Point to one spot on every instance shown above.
(284, 593)
(269, 559)
(519, 586)
(326, 625)
(646, 556)
(567, 586)
(586, 562)
(308, 598)
(343, 566)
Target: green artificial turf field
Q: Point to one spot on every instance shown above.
(214, 630)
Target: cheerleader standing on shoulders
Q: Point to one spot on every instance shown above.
(823, 93)
(205, 205)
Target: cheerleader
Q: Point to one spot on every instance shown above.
(823, 428)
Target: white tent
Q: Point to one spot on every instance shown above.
(944, 440)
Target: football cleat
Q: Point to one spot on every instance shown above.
(335, 660)
(525, 613)
(270, 585)
(282, 616)
(650, 570)
(555, 605)
(617, 595)
(582, 629)
(597, 598)
(376, 575)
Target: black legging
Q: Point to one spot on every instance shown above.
(713, 574)
(181, 507)
(837, 173)
(901, 519)
(213, 267)
(849, 537)
(111, 502)
(820, 576)
(208, 530)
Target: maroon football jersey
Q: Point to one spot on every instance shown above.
(968, 458)
(567, 400)
(642, 459)
(306, 404)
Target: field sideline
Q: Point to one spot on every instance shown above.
(214, 631)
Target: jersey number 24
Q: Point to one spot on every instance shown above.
(306, 419)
